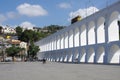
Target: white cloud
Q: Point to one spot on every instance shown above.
(12, 15)
(64, 5)
(27, 25)
(31, 10)
(2, 18)
(83, 12)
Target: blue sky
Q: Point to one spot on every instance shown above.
(42, 13)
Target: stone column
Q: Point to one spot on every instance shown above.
(96, 32)
(68, 39)
(73, 38)
(79, 37)
(60, 41)
(106, 29)
(64, 41)
(87, 34)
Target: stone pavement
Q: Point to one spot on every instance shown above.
(58, 71)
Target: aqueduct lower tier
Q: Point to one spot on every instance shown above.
(94, 39)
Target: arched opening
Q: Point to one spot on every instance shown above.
(113, 29)
(82, 55)
(90, 55)
(76, 55)
(114, 54)
(100, 30)
(76, 37)
(58, 42)
(66, 40)
(71, 38)
(52, 44)
(59, 56)
(83, 35)
(65, 58)
(62, 42)
(100, 55)
(91, 33)
(70, 55)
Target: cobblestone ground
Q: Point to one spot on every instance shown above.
(58, 71)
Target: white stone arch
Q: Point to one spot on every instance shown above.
(113, 28)
(58, 56)
(65, 57)
(58, 42)
(70, 55)
(61, 56)
(76, 54)
(62, 41)
(52, 44)
(83, 40)
(70, 38)
(91, 33)
(82, 55)
(54, 48)
(100, 54)
(76, 37)
(114, 54)
(100, 30)
(47, 47)
(90, 55)
(66, 40)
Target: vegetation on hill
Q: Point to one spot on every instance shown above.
(30, 35)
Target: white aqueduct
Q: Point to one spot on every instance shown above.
(94, 39)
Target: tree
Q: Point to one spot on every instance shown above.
(33, 50)
(27, 36)
(22, 54)
(13, 51)
(19, 31)
(1, 29)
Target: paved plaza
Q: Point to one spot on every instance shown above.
(58, 71)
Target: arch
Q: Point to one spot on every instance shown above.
(114, 54)
(55, 43)
(65, 57)
(90, 55)
(58, 42)
(91, 33)
(52, 44)
(113, 28)
(66, 40)
(82, 55)
(58, 57)
(100, 30)
(61, 56)
(76, 37)
(70, 55)
(62, 42)
(100, 55)
(76, 55)
(47, 46)
(83, 35)
(71, 38)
